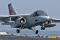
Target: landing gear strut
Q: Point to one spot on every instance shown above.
(33, 29)
(43, 28)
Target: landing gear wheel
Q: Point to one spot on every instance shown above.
(18, 31)
(42, 28)
(36, 32)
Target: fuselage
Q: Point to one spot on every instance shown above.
(31, 21)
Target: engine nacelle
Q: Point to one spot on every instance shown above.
(50, 25)
(23, 20)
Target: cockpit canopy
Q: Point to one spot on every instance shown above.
(39, 13)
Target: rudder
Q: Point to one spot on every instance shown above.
(11, 10)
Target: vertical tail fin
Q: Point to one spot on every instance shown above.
(11, 10)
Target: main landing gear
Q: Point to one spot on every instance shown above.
(36, 32)
(18, 31)
(33, 29)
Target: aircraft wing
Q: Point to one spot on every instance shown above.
(55, 20)
(6, 18)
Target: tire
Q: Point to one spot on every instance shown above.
(18, 31)
(42, 28)
(36, 32)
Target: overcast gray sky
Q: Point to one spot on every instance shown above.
(52, 7)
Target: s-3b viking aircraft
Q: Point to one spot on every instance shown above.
(39, 17)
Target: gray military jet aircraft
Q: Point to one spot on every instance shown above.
(39, 17)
